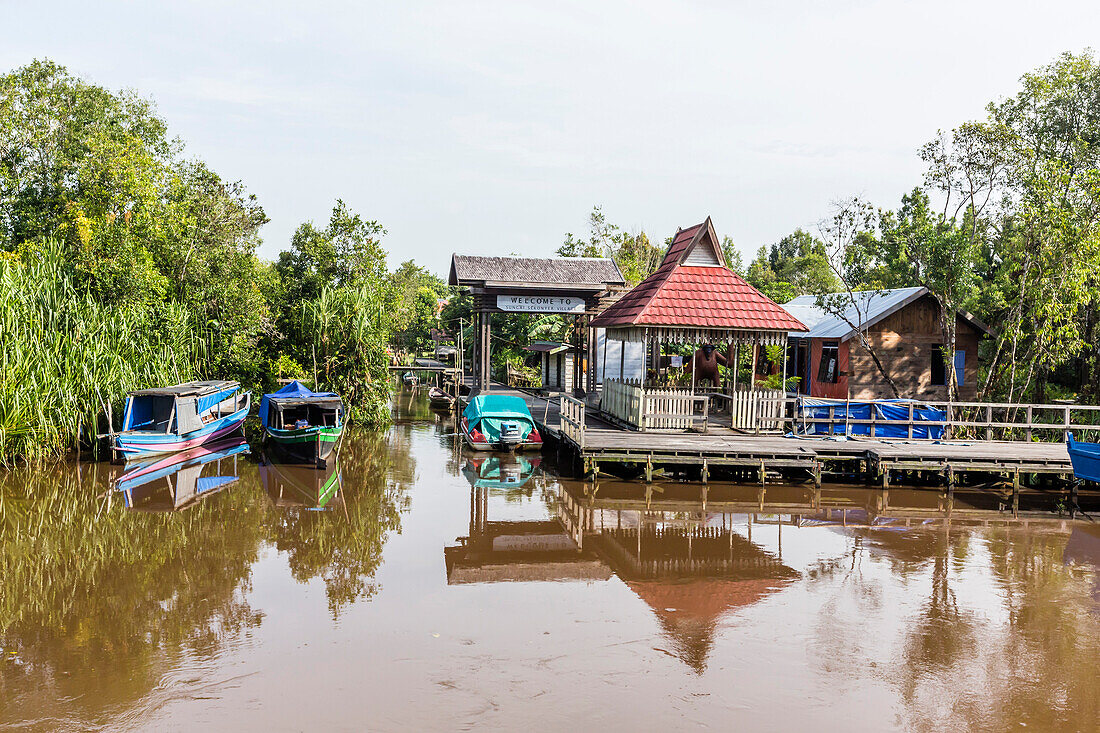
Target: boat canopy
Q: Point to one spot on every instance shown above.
(296, 393)
(188, 389)
(153, 409)
(502, 407)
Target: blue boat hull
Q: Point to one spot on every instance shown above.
(138, 444)
(1085, 458)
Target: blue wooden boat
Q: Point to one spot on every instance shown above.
(499, 422)
(178, 418)
(1085, 458)
(302, 426)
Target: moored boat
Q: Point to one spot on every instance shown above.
(302, 426)
(410, 379)
(1085, 458)
(181, 417)
(499, 422)
(439, 399)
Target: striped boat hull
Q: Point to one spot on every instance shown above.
(141, 444)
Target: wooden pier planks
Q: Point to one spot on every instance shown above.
(723, 446)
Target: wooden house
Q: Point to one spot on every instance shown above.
(903, 328)
(555, 364)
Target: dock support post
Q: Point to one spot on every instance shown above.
(1016, 493)
(763, 476)
(649, 469)
(885, 477)
(951, 479)
(706, 472)
(817, 475)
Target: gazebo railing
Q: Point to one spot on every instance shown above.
(638, 406)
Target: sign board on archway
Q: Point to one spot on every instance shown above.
(540, 304)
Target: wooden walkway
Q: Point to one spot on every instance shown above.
(605, 443)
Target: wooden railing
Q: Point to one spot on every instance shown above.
(962, 420)
(572, 420)
(762, 410)
(672, 409)
(622, 400)
(653, 408)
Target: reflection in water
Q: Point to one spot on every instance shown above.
(514, 550)
(776, 606)
(101, 605)
(177, 481)
(302, 486)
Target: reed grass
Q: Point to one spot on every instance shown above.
(64, 355)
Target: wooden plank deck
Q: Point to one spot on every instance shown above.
(722, 446)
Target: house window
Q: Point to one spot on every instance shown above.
(939, 366)
(827, 369)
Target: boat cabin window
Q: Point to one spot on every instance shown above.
(151, 412)
(291, 415)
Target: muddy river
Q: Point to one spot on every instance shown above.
(413, 586)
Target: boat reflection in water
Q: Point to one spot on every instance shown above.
(314, 489)
(179, 480)
(514, 550)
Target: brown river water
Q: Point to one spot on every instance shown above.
(415, 587)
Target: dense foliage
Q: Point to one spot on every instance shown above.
(125, 264)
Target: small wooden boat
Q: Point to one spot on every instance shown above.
(410, 379)
(499, 422)
(1085, 458)
(439, 399)
(302, 426)
(180, 480)
(173, 419)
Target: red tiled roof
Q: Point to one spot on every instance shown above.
(696, 296)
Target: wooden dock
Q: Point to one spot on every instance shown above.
(602, 444)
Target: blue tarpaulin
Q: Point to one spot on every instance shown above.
(884, 410)
(293, 390)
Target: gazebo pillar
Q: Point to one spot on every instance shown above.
(484, 361)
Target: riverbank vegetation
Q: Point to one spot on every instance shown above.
(126, 263)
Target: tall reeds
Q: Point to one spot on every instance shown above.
(64, 356)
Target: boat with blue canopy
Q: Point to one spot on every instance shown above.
(178, 418)
(300, 425)
(499, 422)
(1085, 458)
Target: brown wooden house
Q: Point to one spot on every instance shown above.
(902, 326)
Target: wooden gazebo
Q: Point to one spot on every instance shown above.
(692, 298)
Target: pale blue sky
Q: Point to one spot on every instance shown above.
(493, 128)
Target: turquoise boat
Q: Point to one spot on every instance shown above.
(499, 422)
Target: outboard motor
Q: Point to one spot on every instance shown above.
(510, 434)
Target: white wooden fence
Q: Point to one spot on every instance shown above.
(761, 410)
(653, 408)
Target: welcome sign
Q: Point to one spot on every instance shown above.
(540, 304)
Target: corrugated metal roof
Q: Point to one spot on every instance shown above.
(473, 270)
(866, 308)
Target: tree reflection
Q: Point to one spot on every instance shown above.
(87, 585)
(343, 547)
